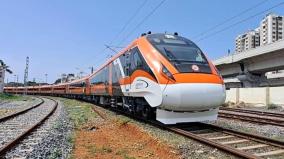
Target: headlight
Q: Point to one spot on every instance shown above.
(167, 73)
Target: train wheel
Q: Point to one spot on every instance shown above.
(147, 112)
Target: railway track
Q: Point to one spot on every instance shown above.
(4, 118)
(238, 143)
(234, 142)
(253, 116)
(15, 127)
(257, 112)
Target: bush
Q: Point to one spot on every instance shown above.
(272, 106)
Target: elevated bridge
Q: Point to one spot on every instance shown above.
(249, 67)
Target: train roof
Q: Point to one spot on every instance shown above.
(117, 55)
(134, 42)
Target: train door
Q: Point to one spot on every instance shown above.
(110, 79)
(127, 70)
(88, 87)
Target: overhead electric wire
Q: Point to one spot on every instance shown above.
(229, 19)
(129, 21)
(121, 30)
(241, 21)
(142, 21)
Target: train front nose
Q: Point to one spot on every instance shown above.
(193, 96)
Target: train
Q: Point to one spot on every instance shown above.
(165, 77)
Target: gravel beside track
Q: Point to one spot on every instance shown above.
(12, 128)
(51, 140)
(10, 107)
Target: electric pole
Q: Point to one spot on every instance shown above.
(26, 75)
(46, 77)
(92, 69)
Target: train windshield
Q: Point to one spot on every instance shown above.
(181, 52)
(177, 53)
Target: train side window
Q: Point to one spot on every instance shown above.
(127, 63)
(106, 74)
(137, 61)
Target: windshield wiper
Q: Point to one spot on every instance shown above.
(189, 61)
(169, 53)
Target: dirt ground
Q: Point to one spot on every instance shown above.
(118, 139)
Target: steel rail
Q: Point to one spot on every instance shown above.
(257, 112)
(103, 116)
(254, 119)
(253, 137)
(213, 143)
(13, 143)
(232, 150)
(2, 119)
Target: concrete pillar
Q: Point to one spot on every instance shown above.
(237, 95)
(267, 95)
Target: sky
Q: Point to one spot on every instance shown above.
(69, 36)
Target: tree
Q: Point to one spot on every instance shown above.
(57, 81)
(3, 66)
(3, 69)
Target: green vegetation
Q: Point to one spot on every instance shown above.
(12, 97)
(124, 154)
(70, 138)
(271, 106)
(55, 154)
(106, 149)
(122, 120)
(93, 149)
(128, 157)
(121, 152)
(80, 113)
(228, 104)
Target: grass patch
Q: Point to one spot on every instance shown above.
(12, 97)
(80, 113)
(71, 138)
(122, 120)
(55, 154)
(128, 157)
(106, 149)
(124, 154)
(94, 150)
(121, 152)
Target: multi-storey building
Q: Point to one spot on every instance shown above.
(248, 40)
(271, 29)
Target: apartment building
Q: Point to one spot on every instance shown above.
(248, 40)
(271, 29)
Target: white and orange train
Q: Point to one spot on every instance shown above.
(161, 76)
